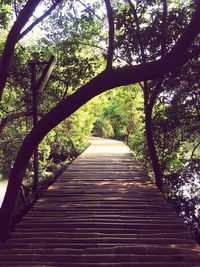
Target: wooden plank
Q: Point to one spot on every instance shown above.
(103, 211)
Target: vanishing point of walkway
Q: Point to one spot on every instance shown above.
(103, 211)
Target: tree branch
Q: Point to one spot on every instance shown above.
(12, 39)
(157, 87)
(142, 51)
(164, 28)
(156, 91)
(193, 151)
(41, 18)
(111, 34)
(89, 9)
(145, 86)
(65, 92)
(15, 8)
(12, 117)
(188, 35)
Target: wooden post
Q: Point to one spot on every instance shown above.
(36, 88)
(35, 119)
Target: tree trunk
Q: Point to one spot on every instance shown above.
(152, 148)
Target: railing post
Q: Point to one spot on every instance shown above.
(35, 119)
(36, 88)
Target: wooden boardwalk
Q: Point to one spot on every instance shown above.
(103, 211)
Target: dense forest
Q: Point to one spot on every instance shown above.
(146, 51)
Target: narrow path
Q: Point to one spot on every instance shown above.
(3, 186)
(103, 211)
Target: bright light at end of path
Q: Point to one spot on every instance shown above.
(3, 186)
(99, 144)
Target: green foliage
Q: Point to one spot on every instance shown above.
(140, 30)
(176, 118)
(66, 141)
(9, 146)
(183, 191)
(5, 11)
(119, 115)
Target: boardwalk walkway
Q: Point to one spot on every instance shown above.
(103, 211)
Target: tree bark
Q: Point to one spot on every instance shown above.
(151, 147)
(111, 33)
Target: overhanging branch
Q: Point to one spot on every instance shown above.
(142, 50)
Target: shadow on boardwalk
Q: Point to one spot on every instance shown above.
(103, 211)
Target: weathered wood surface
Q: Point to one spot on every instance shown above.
(103, 211)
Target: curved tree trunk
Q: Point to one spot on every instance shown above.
(149, 102)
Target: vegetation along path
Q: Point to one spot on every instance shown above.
(103, 211)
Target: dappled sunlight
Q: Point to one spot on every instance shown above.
(191, 247)
(112, 198)
(54, 186)
(115, 185)
(103, 183)
(145, 185)
(121, 161)
(122, 184)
